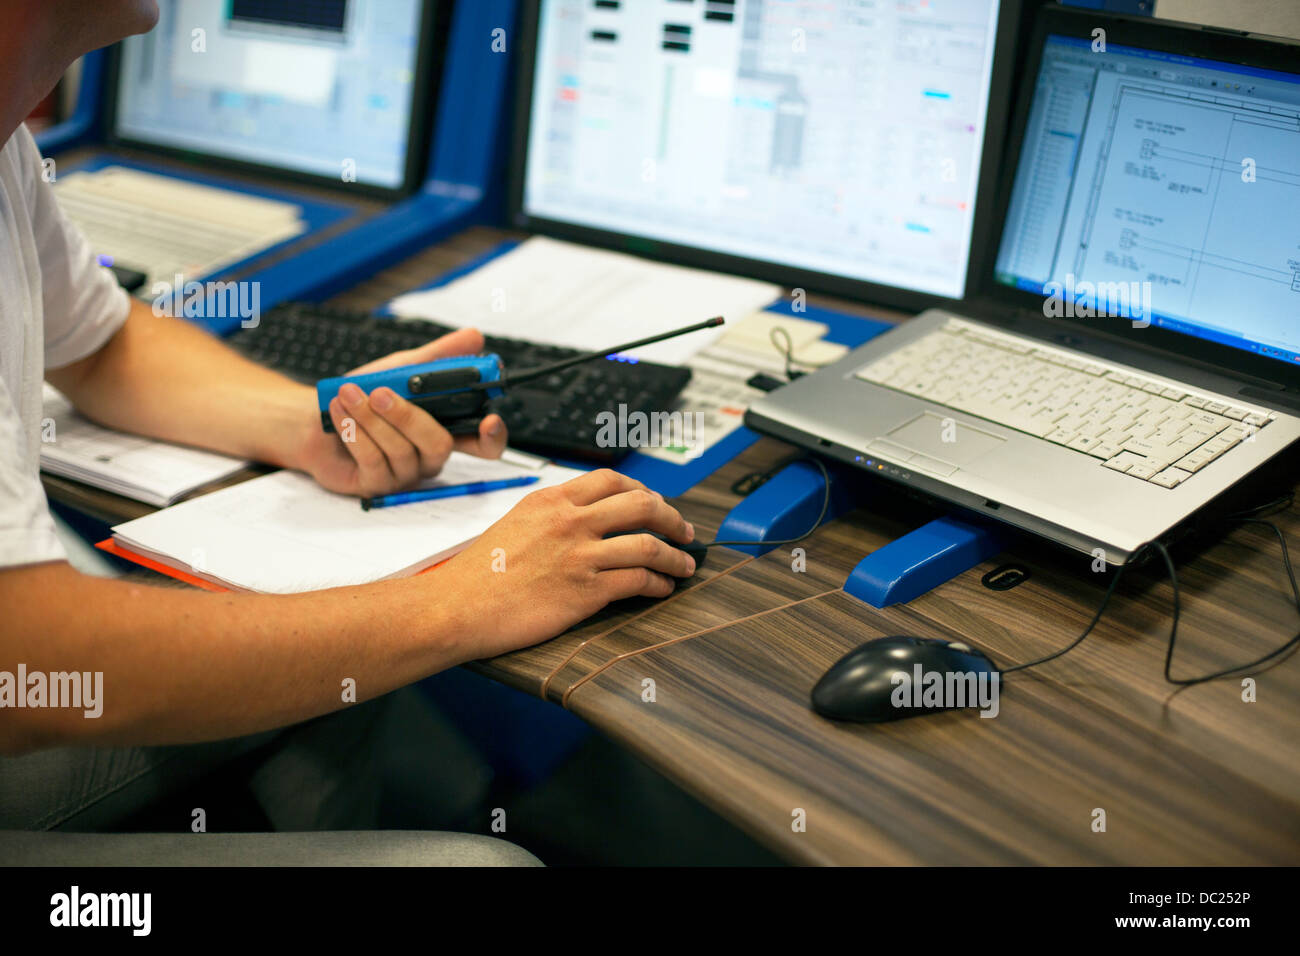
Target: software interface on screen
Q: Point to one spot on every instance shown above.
(1181, 175)
(839, 136)
(321, 87)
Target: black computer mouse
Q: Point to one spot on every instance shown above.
(695, 548)
(862, 686)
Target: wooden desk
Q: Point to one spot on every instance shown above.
(1194, 776)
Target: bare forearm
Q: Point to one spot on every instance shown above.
(183, 666)
(165, 378)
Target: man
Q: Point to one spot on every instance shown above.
(185, 667)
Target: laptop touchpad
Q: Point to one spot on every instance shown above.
(944, 438)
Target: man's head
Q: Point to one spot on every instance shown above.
(39, 39)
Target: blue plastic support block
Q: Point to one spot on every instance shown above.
(786, 505)
(921, 560)
(84, 123)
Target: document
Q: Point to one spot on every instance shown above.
(157, 473)
(560, 293)
(282, 533)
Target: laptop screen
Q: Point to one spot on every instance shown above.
(324, 88)
(840, 138)
(1161, 188)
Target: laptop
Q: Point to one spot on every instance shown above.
(1134, 349)
(334, 94)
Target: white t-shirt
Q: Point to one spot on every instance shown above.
(57, 305)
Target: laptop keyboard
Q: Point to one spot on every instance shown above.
(1150, 430)
(163, 226)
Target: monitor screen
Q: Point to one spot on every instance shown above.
(1162, 188)
(837, 137)
(325, 88)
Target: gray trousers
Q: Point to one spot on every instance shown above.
(334, 848)
(318, 777)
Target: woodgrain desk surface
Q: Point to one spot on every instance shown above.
(1192, 776)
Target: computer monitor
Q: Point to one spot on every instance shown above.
(1162, 185)
(337, 91)
(836, 144)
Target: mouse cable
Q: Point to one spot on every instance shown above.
(1248, 516)
(826, 506)
(1243, 517)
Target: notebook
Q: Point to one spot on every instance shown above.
(282, 533)
(157, 473)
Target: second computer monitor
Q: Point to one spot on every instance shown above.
(335, 90)
(840, 141)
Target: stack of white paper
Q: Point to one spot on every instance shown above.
(283, 533)
(559, 293)
(154, 472)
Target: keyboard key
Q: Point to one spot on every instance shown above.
(1194, 462)
(1124, 461)
(1170, 477)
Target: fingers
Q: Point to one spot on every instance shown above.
(373, 474)
(399, 448)
(622, 583)
(644, 551)
(490, 441)
(640, 508)
(460, 342)
(599, 484)
(431, 441)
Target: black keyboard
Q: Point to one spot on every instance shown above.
(553, 416)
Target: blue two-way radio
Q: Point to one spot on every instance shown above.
(456, 391)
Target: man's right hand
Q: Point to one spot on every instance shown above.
(547, 564)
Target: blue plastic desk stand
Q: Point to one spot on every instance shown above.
(786, 505)
(921, 560)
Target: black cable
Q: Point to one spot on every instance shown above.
(787, 350)
(1276, 506)
(1101, 609)
(1173, 629)
(791, 373)
(826, 505)
(1248, 516)
(1244, 517)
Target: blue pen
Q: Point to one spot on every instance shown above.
(449, 491)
